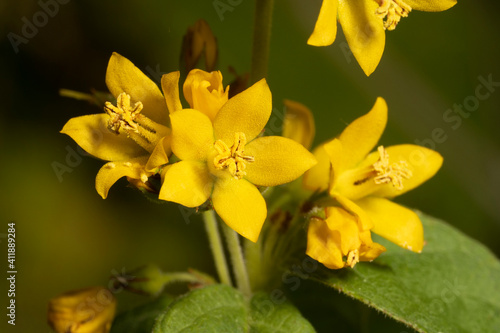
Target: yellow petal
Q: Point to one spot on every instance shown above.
(91, 133)
(186, 182)
(360, 137)
(346, 224)
(317, 178)
(277, 161)
(192, 135)
(364, 220)
(422, 162)
(370, 252)
(123, 76)
(325, 29)
(160, 154)
(298, 124)
(112, 171)
(431, 5)
(247, 112)
(363, 31)
(323, 244)
(240, 205)
(336, 156)
(394, 222)
(170, 87)
(205, 92)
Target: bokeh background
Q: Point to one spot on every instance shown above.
(68, 237)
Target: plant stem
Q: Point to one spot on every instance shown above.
(240, 270)
(179, 277)
(261, 39)
(216, 246)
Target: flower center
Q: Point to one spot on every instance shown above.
(232, 159)
(393, 173)
(129, 119)
(352, 258)
(392, 11)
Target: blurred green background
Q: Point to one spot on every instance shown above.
(68, 237)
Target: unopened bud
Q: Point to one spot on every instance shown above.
(199, 41)
(148, 279)
(89, 310)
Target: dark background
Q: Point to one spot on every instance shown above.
(68, 237)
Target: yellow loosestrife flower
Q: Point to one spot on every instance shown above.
(89, 310)
(133, 134)
(362, 184)
(225, 160)
(363, 23)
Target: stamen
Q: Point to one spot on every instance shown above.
(145, 132)
(352, 258)
(393, 173)
(392, 11)
(122, 115)
(233, 159)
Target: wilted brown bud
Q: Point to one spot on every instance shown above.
(199, 41)
(89, 310)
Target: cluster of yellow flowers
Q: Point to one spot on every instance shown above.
(218, 149)
(215, 151)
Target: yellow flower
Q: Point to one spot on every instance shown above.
(340, 240)
(89, 310)
(225, 160)
(363, 23)
(362, 183)
(204, 92)
(132, 135)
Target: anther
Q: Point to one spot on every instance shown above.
(352, 258)
(232, 159)
(392, 11)
(394, 173)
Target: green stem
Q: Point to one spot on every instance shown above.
(76, 95)
(179, 277)
(216, 246)
(261, 39)
(240, 270)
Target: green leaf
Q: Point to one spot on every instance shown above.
(141, 319)
(453, 286)
(220, 309)
(273, 314)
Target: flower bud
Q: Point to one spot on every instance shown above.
(199, 41)
(148, 279)
(89, 310)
